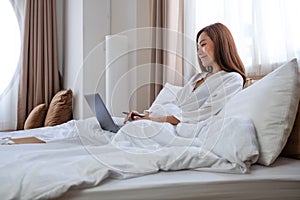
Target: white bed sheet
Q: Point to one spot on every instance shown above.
(278, 181)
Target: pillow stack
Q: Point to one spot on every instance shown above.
(58, 112)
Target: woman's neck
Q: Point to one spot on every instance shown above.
(215, 68)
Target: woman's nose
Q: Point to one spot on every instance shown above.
(199, 51)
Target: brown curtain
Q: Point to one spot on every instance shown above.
(167, 40)
(39, 73)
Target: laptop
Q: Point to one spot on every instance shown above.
(98, 107)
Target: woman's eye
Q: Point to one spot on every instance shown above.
(203, 44)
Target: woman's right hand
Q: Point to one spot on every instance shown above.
(133, 115)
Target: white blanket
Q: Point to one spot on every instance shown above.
(80, 154)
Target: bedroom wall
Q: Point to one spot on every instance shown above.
(73, 48)
(85, 25)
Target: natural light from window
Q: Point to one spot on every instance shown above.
(265, 32)
(10, 44)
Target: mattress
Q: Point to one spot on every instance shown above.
(278, 181)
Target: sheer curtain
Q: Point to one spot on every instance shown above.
(8, 100)
(266, 32)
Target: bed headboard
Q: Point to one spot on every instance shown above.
(292, 147)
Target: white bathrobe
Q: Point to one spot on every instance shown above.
(209, 98)
(193, 106)
(230, 139)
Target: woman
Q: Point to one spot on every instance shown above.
(197, 102)
(207, 92)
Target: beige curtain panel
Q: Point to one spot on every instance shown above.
(167, 56)
(39, 73)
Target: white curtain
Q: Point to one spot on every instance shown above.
(266, 32)
(9, 99)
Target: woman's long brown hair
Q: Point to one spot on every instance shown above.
(225, 50)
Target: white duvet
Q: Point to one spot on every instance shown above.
(80, 154)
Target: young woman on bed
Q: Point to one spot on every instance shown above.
(206, 93)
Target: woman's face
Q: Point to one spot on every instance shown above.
(206, 50)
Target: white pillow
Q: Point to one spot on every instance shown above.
(163, 104)
(167, 94)
(272, 105)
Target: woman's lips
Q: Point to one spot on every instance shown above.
(202, 57)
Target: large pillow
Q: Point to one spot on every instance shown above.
(167, 94)
(163, 104)
(272, 104)
(60, 108)
(292, 147)
(36, 117)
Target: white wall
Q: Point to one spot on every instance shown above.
(73, 50)
(94, 30)
(84, 31)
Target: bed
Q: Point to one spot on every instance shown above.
(280, 181)
(249, 161)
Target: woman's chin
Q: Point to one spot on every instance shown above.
(204, 65)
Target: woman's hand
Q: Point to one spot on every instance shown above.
(134, 115)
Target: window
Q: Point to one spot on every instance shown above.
(10, 44)
(266, 32)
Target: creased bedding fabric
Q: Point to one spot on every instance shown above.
(80, 154)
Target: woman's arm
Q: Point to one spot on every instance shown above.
(23, 140)
(170, 119)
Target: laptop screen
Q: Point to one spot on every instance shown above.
(103, 116)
